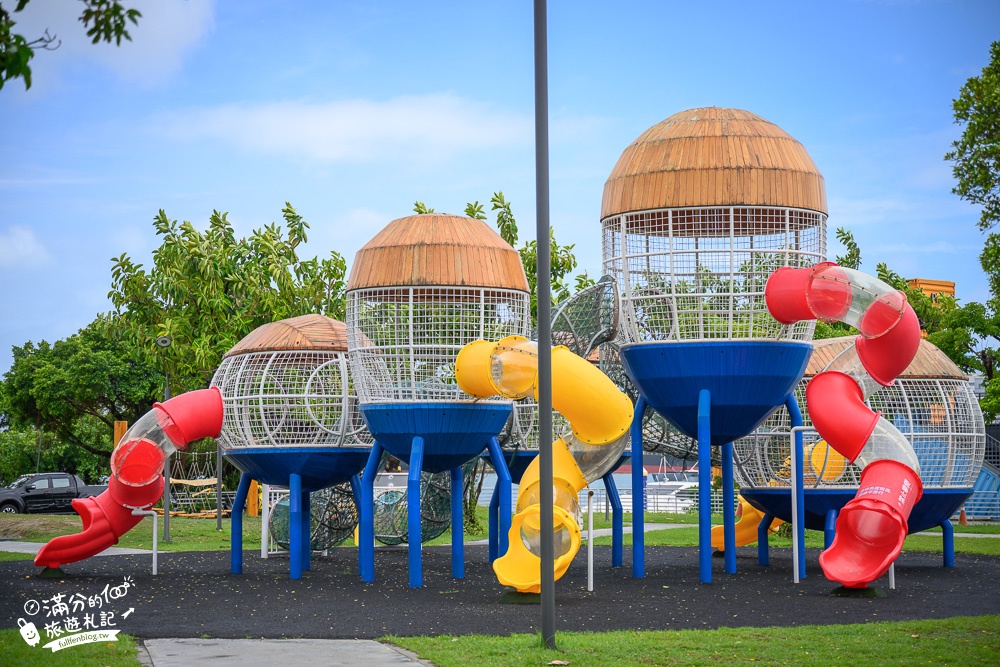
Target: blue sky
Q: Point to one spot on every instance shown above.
(353, 110)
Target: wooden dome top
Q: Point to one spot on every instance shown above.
(437, 249)
(306, 333)
(930, 362)
(713, 157)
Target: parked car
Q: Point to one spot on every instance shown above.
(44, 492)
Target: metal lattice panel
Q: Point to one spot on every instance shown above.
(403, 341)
(289, 399)
(699, 273)
(940, 417)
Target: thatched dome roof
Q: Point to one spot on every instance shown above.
(306, 332)
(437, 249)
(713, 157)
(930, 362)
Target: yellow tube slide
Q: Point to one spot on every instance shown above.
(746, 527)
(599, 416)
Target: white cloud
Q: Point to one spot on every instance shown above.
(166, 34)
(20, 248)
(430, 127)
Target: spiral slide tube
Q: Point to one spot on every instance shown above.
(136, 474)
(599, 416)
(871, 527)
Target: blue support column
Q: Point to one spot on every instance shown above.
(295, 526)
(502, 493)
(366, 516)
(763, 530)
(236, 525)
(948, 543)
(306, 531)
(616, 519)
(357, 493)
(798, 483)
(457, 526)
(728, 509)
(638, 518)
(413, 513)
(829, 527)
(705, 486)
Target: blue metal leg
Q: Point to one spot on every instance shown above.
(798, 486)
(306, 531)
(616, 519)
(457, 526)
(728, 509)
(763, 530)
(503, 496)
(236, 525)
(829, 528)
(948, 537)
(356, 492)
(638, 518)
(366, 516)
(705, 486)
(295, 526)
(413, 512)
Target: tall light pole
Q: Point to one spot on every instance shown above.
(543, 271)
(164, 342)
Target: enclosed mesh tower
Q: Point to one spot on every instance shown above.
(697, 213)
(291, 419)
(418, 292)
(287, 384)
(931, 402)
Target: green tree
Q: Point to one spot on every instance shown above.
(73, 391)
(207, 290)
(105, 20)
(976, 153)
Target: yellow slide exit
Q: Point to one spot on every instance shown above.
(599, 416)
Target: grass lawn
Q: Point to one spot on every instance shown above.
(15, 651)
(971, 640)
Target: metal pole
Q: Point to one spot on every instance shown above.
(166, 470)
(590, 541)
(543, 272)
(218, 486)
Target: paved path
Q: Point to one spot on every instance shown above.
(284, 652)
(33, 547)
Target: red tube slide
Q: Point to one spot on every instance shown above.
(872, 526)
(136, 474)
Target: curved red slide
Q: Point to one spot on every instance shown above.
(872, 526)
(136, 474)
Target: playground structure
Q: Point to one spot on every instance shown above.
(599, 416)
(136, 480)
(699, 214)
(291, 420)
(930, 402)
(420, 290)
(696, 215)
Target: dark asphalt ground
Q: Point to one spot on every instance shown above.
(195, 595)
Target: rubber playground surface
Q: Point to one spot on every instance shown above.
(195, 595)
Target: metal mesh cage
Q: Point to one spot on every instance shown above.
(403, 341)
(699, 273)
(940, 417)
(289, 399)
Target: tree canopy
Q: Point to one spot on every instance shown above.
(976, 153)
(207, 290)
(73, 391)
(105, 20)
